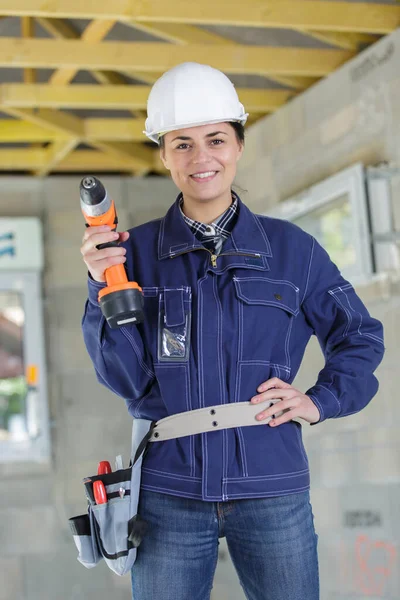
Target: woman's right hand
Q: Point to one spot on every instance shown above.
(97, 261)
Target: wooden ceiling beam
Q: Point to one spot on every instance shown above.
(156, 57)
(124, 97)
(55, 154)
(61, 29)
(36, 159)
(347, 41)
(182, 34)
(95, 32)
(12, 131)
(141, 157)
(22, 159)
(28, 31)
(57, 121)
(359, 17)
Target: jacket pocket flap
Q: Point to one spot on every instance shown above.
(174, 308)
(270, 292)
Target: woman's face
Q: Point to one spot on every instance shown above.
(202, 160)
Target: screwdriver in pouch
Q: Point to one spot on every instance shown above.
(121, 302)
(99, 491)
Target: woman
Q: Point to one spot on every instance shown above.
(231, 300)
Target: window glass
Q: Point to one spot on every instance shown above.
(332, 225)
(13, 386)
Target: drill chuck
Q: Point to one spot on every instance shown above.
(95, 201)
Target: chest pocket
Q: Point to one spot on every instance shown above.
(167, 324)
(267, 308)
(174, 324)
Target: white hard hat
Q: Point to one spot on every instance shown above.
(191, 94)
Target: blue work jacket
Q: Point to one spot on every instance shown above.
(215, 328)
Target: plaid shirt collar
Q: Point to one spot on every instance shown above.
(223, 225)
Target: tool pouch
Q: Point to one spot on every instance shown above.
(89, 554)
(114, 530)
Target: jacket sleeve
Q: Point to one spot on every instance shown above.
(351, 340)
(118, 355)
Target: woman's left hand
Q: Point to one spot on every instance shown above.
(296, 404)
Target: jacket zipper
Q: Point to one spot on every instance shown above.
(215, 256)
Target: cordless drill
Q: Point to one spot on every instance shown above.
(121, 302)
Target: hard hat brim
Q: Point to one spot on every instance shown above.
(155, 135)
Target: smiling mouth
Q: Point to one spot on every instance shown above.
(206, 176)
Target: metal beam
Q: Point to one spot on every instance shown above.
(297, 14)
(124, 97)
(121, 56)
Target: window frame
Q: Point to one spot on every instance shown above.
(28, 285)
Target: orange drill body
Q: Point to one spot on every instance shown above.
(121, 300)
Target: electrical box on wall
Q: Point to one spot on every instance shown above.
(24, 427)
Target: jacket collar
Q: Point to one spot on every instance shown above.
(247, 236)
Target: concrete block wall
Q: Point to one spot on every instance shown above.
(37, 555)
(353, 115)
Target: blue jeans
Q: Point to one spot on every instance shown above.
(271, 541)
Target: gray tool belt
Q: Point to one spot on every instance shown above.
(112, 529)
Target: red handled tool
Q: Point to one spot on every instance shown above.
(104, 467)
(99, 492)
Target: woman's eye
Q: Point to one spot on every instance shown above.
(216, 142)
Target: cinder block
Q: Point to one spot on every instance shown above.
(149, 198)
(64, 268)
(66, 228)
(66, 350)
(61, 193)
(11, 577)
(20, 492)
(65, 307)
(93, 437)
(81, 394)
(378, 458)
(29, 530)
(326, 509)
(59, 575)
(21, 197)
